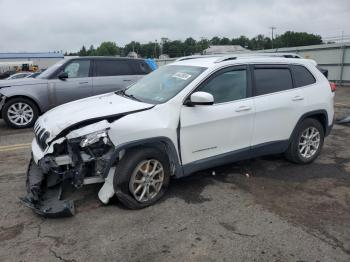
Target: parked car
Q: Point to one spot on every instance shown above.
(194, 114)
(34, 75)
(19, 75)
(22, 101)
(6, 74)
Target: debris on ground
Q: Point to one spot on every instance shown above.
(345, 120)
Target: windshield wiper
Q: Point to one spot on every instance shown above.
(122, 92)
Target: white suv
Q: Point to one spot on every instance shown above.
(194, 114)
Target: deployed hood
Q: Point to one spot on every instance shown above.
(87, 111)
(21, 82)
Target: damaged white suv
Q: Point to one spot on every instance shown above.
(194, 114)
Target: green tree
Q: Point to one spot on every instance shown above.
(174, 48)
(108, 49)
(190, 46)
(82, 52)
(290, 39)
(242, 41)
(225, 41)
(91, 51)
(202, 45)
(215, 40)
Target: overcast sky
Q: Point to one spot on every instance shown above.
(46, 25)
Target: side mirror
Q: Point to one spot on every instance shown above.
(200, 98)
(63, 75)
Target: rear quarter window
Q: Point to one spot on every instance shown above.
(302, 76)
(271, 80)
(140, 67)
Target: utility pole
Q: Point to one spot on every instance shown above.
(155, 49)
(272, 28)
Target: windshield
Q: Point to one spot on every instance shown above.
(163, 83)
(48, 72)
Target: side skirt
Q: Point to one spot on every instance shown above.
(268, 148)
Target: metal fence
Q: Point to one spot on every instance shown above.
(333, 57)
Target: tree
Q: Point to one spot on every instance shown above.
(173, 48)
(259, 42)
(190, 46)
(242, 41)
(202, 45)
(91, 51)
(225, 41)
(290, 39)
(108, 49)
(215, 40)
(82, 51)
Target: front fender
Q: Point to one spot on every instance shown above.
(37, 93)
(159, 142)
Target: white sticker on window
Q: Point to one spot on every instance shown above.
(181, 75)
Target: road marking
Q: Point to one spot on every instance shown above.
(341, 105)
(14, 147)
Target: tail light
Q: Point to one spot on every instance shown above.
(333, 86)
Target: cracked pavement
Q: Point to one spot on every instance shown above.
(281, 212)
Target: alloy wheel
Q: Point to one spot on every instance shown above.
(309, 142)
(147, 180)
(20, 114)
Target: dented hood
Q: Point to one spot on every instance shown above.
(86, 111)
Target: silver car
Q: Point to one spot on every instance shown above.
(23, 100)
(19, 75)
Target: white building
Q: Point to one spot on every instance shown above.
(43, 60)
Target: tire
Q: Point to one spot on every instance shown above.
(20, 113)
(298, 147)
(128, 171)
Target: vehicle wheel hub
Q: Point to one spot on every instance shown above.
(147, 180)
(20, 114)
(309, 142)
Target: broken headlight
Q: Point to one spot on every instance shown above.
(96, 144)
(95, 137)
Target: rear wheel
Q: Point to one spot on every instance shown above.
(306, 143)
(141, 177)
(20, 113)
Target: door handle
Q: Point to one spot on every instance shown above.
(81, 83)
(243, 108)
(127, 80)
(297, 98)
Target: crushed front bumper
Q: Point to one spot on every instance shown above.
(44, 194)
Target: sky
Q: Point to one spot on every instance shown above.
(66, 25)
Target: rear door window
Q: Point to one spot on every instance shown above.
(112, 67)
(302, 76)
(271, 80)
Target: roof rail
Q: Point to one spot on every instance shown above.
(194, 57)
(248, 55)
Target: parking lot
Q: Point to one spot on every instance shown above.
(265, 209)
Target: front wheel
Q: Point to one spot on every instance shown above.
(142, 177)
(20, 113)
(307, 143)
